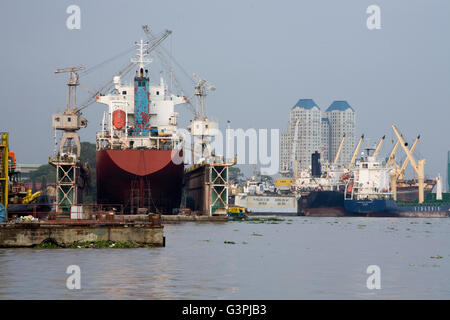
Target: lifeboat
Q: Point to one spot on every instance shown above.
(119, 119)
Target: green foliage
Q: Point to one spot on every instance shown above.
(88, 154)
(267, 179)
(45, 172)
(235, 175)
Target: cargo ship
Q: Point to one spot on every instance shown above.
(320, 194)
(368, 194)
(139, 152)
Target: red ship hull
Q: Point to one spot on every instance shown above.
(139, 179)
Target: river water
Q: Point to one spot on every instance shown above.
(298, 258)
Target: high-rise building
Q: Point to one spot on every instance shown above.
(317, 132)
(325, 139)
(342, 121)
(305, 121)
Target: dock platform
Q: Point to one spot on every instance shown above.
(66, 233)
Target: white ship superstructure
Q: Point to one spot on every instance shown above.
(119, 122)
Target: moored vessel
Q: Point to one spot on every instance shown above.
(139, 152)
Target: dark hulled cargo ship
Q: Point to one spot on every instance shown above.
(139, 153)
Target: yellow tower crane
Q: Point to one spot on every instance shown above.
(419, 166)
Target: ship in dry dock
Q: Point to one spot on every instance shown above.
(139, 153)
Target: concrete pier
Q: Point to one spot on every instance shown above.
(28, 234)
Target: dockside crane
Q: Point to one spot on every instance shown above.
(419, 166)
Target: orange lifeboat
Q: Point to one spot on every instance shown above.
(350, 188)
(119, 119)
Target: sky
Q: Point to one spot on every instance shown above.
(261, 55)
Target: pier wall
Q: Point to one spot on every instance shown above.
(30, 234)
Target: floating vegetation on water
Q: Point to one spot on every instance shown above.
(361, 226)
(288, 222)
(411, 265)
(427, 222)
(101, 244)
(436, 257)
(256, 234)
(235, 230)
(264, 220)
(206, 240)
(229, 242)
(244, 242)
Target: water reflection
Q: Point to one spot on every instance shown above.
(305, 258)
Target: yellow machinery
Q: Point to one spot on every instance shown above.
(401, 173)
(419, 166)
(380, 144)
(31, 197)
(391, 159)
(236, 210)
(4, 169)
(284, 182)
(338, 153)
(355, 153)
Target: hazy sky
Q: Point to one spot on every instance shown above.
(261, 55)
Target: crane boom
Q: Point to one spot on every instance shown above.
(355, 153)
(155, 43)
(401, 174)
(380, 144)
(339, 149)
(391, 158)
(418, 167)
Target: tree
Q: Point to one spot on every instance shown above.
(268, 179)
(235, 175)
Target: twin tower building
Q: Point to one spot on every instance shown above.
(310, 130)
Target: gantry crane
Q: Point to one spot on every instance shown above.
(419, 166)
